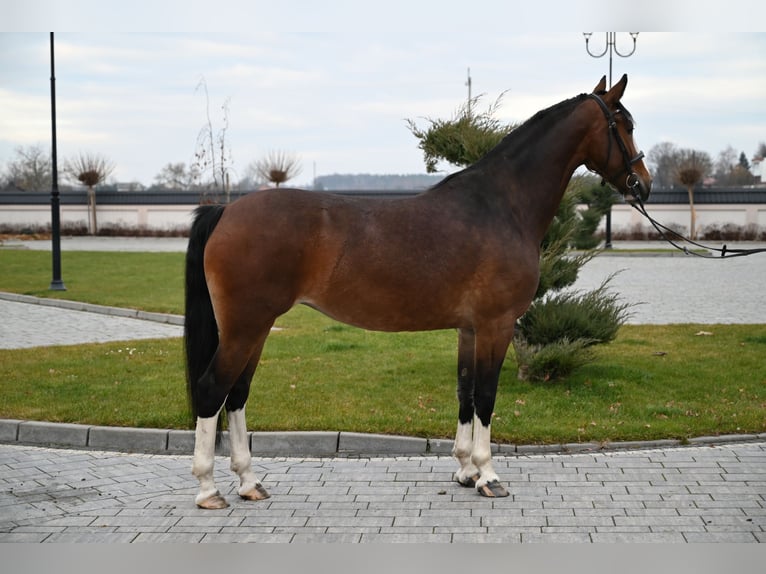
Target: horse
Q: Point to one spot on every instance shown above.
(463, 254)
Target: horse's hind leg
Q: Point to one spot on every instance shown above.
(202, 465)
(250, 488)
(229, 372)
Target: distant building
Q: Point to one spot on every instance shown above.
(758, 169)
(130, 186)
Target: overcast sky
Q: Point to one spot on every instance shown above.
(334, 84)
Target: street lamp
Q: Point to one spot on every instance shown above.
(610, 47)
(57, 284)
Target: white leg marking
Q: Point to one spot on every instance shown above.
(462, 452)
(482, 453)
(241, 460)
(204, 458)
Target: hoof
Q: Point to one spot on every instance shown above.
(493, 489)
(214, 502)
(469, 481)
(255, 493)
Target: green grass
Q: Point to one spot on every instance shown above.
(146, 281)
(651, 382)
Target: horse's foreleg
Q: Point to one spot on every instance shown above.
(250, 488)
(490, 354)
(489, 483)
(202, 466)
(467, 474)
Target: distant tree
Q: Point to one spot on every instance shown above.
(760, 152)
(30, 170)
(724, 165)
(90, 170)
(741, 175)
(175, 176)
(691, 169)
(663, 160)
(743, 163)
(277, 167)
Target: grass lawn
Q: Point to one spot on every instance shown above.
(146, 281)
(652, 382)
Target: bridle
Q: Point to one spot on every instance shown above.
(632, 182)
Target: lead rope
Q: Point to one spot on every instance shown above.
(725, 252)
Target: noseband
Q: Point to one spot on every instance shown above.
(631, 181)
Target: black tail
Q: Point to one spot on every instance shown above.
(200, 328)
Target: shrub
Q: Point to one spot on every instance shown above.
(554, 334)
(552, 361)
(595, 315)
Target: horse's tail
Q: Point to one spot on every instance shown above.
(200, 328)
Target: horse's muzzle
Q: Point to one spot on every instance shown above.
(639, 189)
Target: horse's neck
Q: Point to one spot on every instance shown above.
(538, 176)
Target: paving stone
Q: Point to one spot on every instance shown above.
(51, 495)
(720, 537)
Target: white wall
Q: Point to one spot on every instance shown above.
(163, 217)
(150, 216)
(624, 216)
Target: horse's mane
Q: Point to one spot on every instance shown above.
(520, 139)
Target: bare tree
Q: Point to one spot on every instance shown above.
(663, 160)
(90, 170)
(278, 167)
(212, 154)
(30, 170)
(692, 167)
(175, 176)
(724, 165)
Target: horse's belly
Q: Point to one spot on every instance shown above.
(388, 314)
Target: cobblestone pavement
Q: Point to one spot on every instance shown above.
(690, 494)
(684, 289)
(30, 325)
(687, 494)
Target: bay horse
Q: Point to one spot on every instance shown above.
(463, 254)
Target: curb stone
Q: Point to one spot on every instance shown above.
(168, 318)
(310, 443)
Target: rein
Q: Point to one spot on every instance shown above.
(724, 252)
(632, 182)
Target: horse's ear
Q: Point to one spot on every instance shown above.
(601, 86)
(615, 94)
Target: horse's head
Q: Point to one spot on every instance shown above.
(611, 151)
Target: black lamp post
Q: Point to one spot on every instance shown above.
(57, 284)
(610, 47)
